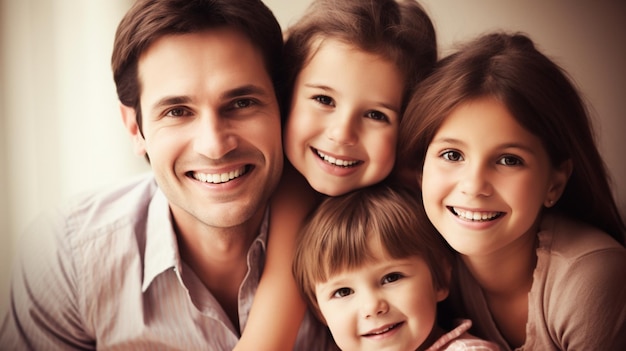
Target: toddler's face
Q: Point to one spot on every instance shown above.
(389, 304)
(343, 122)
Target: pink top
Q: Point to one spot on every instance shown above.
(460, 340)
(577, 299)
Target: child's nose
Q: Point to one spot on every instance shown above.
(342, 129)
(374, 304)
(475, 181)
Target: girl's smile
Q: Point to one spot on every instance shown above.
(342, 127)
(483, 190)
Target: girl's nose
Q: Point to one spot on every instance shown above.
(342, 129)
(475, 181)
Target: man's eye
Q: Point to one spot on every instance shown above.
(391, 277)
(452, 156)
(176, 112)
(324, 100)
(243, 103)
(343, 292)
(377, 115)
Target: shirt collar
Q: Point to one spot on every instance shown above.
(161, 251)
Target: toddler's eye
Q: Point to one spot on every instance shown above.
(342, 292)
(452, 156)
(392, 277)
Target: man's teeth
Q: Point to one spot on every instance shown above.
(218, 178)
(335, 161)
(475, 216)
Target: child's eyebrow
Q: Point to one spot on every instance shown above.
(319, 86)
(447, 140)
(506, 145)
(326, 88)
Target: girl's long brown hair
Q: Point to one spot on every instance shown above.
(540, 96)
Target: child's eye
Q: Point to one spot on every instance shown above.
(342, 292)
(377, 115)
(452, 155)
(392, 277)
(324, 100)
(510, 161)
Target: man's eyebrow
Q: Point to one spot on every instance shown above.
(230, 94)
(250, 89)
(171, 100)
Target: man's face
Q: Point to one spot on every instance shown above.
(211, 128)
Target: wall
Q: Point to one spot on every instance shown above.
(60, 130)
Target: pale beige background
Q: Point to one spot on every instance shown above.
(60, 130)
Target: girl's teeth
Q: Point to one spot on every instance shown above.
(335, 161)
(475, 216)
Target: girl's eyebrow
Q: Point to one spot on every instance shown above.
(319, 86)
(509, 145)
(331, 90)
(447, 140)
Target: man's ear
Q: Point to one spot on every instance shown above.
(129, 117)
(560, 176)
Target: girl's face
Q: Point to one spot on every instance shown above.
(388, 304)
(486, 178)
(343, 123)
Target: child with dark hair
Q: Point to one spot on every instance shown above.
(512, 179)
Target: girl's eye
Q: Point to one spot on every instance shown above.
(452, 156)
(392, 277)
(324, 100)
(342, 292)
(377, 115)
(510, 161)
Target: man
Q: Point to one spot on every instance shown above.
(170, 260)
